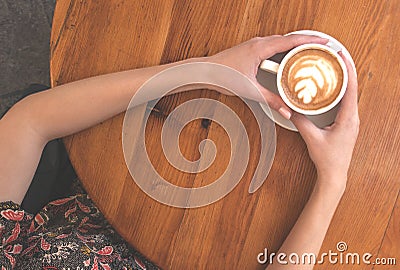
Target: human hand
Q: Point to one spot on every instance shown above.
(246, 58)
(331, 148)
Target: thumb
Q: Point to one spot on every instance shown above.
(275, 102)
(306, 128)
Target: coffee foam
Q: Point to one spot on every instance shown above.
(312, 79)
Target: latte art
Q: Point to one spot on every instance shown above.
(312, 75)
(312, 79)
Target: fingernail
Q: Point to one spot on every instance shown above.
(285, 113)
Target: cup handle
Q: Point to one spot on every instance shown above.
(269, 66)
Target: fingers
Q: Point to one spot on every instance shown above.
(269, 46)
(307, 129)
(348, 111)
(275, 102)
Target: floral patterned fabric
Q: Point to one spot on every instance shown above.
(69, 233)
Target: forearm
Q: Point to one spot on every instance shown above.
(310, 229)
(59, 112)
(75, 106)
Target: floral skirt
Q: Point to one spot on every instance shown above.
(69, 233)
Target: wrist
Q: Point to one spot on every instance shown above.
(334, 183)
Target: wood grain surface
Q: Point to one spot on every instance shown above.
(97, 37)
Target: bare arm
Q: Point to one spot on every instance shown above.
(331, 150)
(309, 231)
(72, 107)
(63, 110)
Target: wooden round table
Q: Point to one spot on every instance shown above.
(97, 37)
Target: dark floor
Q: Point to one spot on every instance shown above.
(24, 43)
(24, 69)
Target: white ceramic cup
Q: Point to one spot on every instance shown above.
(273, 67)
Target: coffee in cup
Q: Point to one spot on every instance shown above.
(311, 78)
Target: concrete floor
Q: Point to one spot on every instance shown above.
(24, 43)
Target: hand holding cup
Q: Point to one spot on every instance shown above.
(311, 79)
